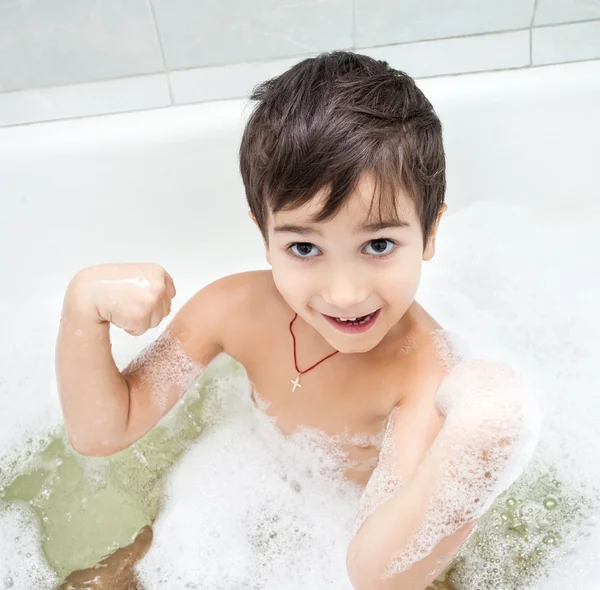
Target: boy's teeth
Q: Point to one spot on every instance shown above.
(358, 320)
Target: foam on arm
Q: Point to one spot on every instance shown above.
(157, 378)
(406, 534)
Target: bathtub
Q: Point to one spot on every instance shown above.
(164, 186)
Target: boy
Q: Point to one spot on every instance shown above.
(344, 171)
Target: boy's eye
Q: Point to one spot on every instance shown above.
(381, 246)
(303, 249)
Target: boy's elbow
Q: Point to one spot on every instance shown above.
(353, 569)
(360, 569)
(103, 448)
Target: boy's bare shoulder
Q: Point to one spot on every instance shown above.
(424, 360)
(226, 309)
(238, 291)
(233, 295)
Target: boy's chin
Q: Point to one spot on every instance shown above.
(355, 349)
(355, 344)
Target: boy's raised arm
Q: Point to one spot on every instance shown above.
(106, 410)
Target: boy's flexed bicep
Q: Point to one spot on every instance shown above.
(164, 370)
(106, 409)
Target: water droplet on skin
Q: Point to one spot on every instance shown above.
(8, 581)
(550, 503)
(511, 502)
(549, 540)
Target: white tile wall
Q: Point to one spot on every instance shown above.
(549, 12)
(56, 42)
(73, 58)
(564, 43)
(82, 100)
(235, 81)
(207, 33)
(452, 56)
(381, 22)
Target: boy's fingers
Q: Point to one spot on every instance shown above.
(166, 307)
(170, 285)
(135, 331)
(156, 316)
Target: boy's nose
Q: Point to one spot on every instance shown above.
(344, 294)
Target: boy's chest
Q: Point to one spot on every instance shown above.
(349, 404)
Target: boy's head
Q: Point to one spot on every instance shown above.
(337, 142)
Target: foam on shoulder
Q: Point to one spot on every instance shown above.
(488, 438)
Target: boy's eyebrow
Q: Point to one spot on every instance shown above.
(365, 227)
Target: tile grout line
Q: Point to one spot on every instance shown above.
(179, 105)
(452, 38)
(535, 6)
(85, 83)
(149, 75)
(166, 71)
(566, 24)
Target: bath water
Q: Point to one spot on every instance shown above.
(237, 505)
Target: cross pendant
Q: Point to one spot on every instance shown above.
(295, 382)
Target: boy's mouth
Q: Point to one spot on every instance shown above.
(353, 325)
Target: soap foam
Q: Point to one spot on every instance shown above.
(259, 510)
(506, 306)
(164, 366)
(527, 296)
(385, 480)
(517, 284)
(22, 565)
(489, 435)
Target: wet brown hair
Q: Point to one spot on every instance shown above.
(328, 119)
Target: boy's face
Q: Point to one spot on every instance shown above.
(341, 269)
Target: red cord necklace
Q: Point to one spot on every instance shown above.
(296, 382)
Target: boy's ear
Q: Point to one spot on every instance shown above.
(429, 251)
(268, 254)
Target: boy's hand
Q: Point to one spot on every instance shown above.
(133, 297)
